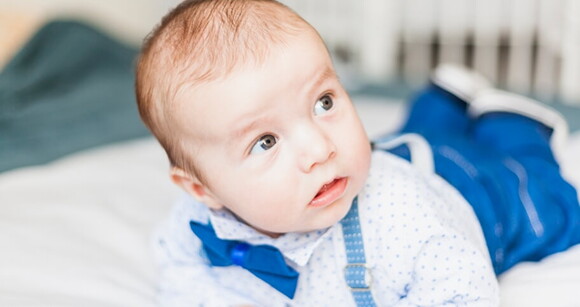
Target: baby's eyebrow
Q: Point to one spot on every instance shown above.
(326, 74)
(240, 132)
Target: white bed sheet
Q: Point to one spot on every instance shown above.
(76, 232)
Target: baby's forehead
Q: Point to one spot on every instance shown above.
(286, 72)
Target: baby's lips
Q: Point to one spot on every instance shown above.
(325, 187)
(329, 192)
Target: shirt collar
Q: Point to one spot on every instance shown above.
(295, 246)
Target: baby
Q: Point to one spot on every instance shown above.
(288, 203)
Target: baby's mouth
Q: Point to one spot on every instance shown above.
(329, 192)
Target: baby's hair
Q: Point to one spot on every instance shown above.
(200, 41)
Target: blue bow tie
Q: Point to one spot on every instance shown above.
(264, 261)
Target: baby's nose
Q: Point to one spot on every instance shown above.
(315, 149)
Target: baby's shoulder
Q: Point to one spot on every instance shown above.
(390, 173)
(403, 198)
(173, 234)
(395, 187)
(391, 187)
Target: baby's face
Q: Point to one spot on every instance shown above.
(279, 145)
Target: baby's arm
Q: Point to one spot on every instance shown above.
(451, 271)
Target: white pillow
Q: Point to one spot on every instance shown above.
(76, 232)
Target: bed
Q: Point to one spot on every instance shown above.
(83, 185)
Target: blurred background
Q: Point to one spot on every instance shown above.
(82, 183)
(127, 20)
(527, 46)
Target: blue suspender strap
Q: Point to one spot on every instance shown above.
(356, 273)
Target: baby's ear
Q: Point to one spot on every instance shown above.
(192, 185)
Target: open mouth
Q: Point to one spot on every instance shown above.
(329, 192)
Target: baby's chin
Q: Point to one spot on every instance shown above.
(316, 220)
(334, 216)
(318, 225)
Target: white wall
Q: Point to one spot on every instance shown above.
(383, 38)
(527, 46)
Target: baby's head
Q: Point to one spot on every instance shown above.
(243, 96)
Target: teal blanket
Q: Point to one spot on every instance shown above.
(69, 88)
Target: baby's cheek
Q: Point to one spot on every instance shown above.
(361, 162)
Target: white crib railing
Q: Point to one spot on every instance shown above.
(527, 46)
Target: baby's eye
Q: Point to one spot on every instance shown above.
(265, 142)
(322, 105)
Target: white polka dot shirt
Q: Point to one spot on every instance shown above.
(423, 244)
